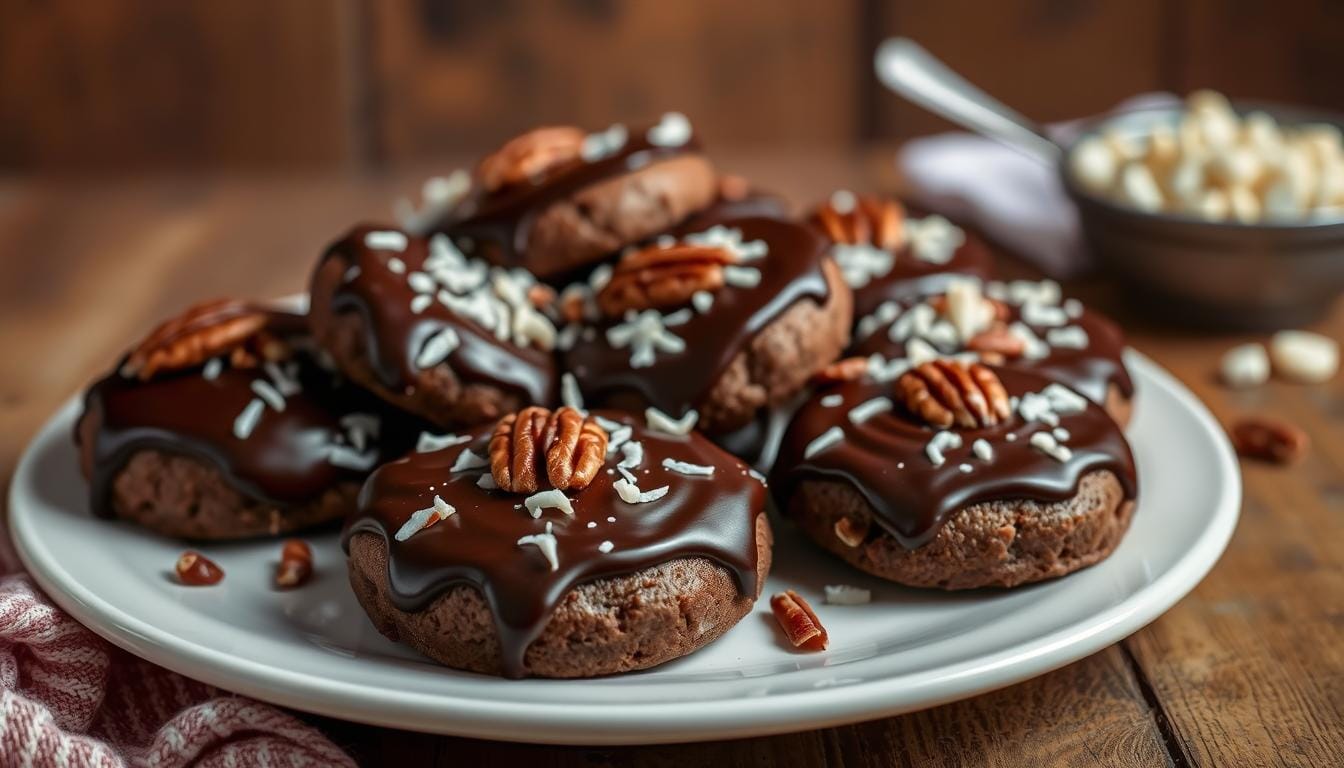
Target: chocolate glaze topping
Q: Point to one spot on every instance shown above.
(1090, 370)
(397, 333)
(285, 461)
(712, 517)
(497, 225)
(911, 276)
(677, 381)
(885, 459)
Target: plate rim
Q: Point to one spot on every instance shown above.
(650, 722)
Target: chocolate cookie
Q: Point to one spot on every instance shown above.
(656, 546)
(1022, 324)
(957, 475)
(440, 335)
(885, 254)
(222, 424)
(716, 325)
(555, 199)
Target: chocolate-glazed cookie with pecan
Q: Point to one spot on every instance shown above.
(953, 474)
(886, 254)
(1020, 324)
(439, 334)
(560, 544)
(556, 199)
(223, 423)
(717, 325)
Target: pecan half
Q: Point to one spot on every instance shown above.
(661, 277)
(529, 156)
(799, 622)
(947, 393)
(1269, 440)
(870, 220)
(561, 447)
(203, 331)
(296, 564)
(842, 370)
(197, 570)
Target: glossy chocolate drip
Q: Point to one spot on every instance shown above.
(711, 517)
(678, 381)
(396, 333)
(913, 501)
(284, 461)
(498, 224)
(1090, 371)
(754, 205)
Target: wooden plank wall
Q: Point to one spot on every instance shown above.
(197, 84)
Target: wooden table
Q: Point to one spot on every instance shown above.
(1247, 670)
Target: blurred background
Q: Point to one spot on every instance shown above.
(111, 87)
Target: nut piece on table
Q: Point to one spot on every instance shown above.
(800, 624)
(1269, 440)
(296, 564)
(1245, 365)
(563, 446)
(1304, 356)
(196, 570)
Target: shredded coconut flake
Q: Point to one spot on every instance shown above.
(552, 499)
(437, 348)
(468, 460)
(831, 401)
(673, 130)
(269, 394)
(865, 411)
(630, 493)
(212, 368)
(569, 392)
(686, 468)
(546, 543)
(348, 457)
(487, 482)
(844, 594)
(982, 450)
(396, 265)
(823, 441)
(632, 454)
(646, 334)
(605, 547)
(247, 420)
(421, 519)
(1072, 337)
(429, 442)
(702, 301)
(741, 277)
(939, 443)
(660, 422)
(386, 240)
(1046, 443)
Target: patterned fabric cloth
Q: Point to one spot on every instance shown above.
(69, 698)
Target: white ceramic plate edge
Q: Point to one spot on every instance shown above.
(672, 721)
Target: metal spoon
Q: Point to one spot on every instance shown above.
(909, 70)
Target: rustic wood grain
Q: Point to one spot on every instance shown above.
(187, 84)
(459, 76)
(1246, 671)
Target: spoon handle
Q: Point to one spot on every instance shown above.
(909, 70)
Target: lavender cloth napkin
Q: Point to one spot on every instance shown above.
(1014, 199)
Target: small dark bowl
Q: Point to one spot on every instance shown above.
(1215, 274)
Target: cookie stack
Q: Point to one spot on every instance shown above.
(538, 413)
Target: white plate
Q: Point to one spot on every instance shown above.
(313, 649)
